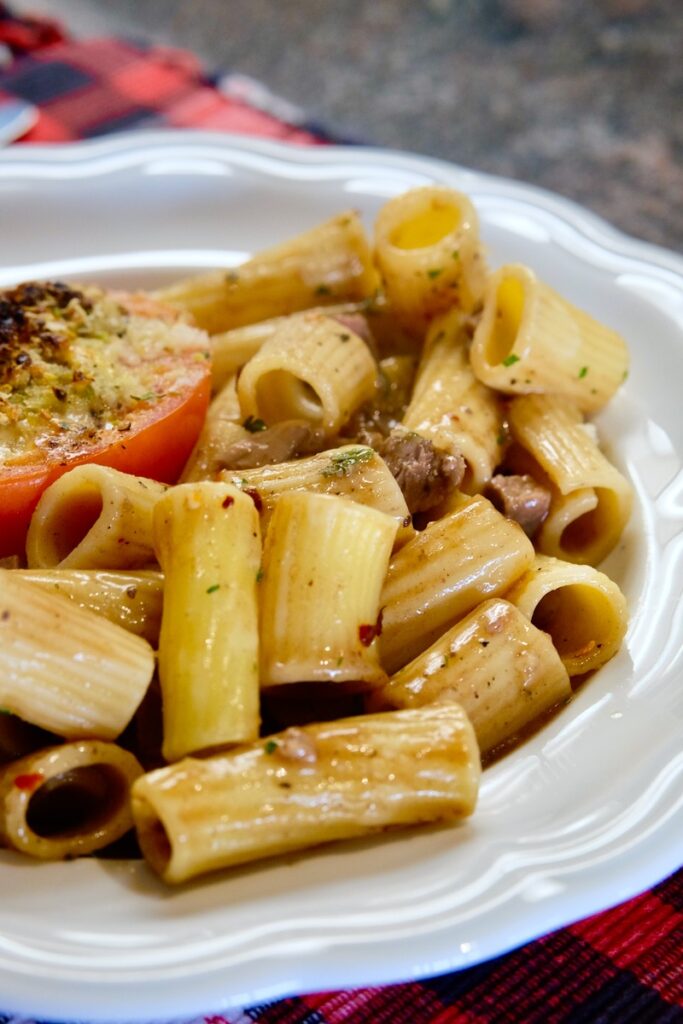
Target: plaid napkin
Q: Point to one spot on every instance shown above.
(624, 966)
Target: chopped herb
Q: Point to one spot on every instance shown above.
(342, 462)
(259, 575)
(340, 660)
(502, 438)
(345, 337)
(582, 372)
(254, 425)
(511, 360)
(5, 711)
(323, 289)
(435, 272)
(456, 254)
(232, 277)
(147, 397)
(625, 375)
(213, 588)
(270, 746)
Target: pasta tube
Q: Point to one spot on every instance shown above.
(67, 801)
(324, 563)
(457, 562)
(307, 786)
(66, 669)
(352, 471)
(428, 251)
(530, 339)
(209, 544)
(129, 599)
(582, 610)
(94, 517)
(451, 407)
(230, 350)
(502, 671)
(329, 264)
(222, 426)
(313, 369)
(593, 500)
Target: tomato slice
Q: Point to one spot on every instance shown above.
(156, 443)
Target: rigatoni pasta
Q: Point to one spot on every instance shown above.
(208, 540)
(502, 670)
(581, 608)
(94, 517)
(429, 253)
(451, 407)
(321, 783)
(311, 368)
(400, 622)
(329, 264)
(95, 779)
(458, 561)
(324, 564)
(66, 669)
(530, 339)
(554, 434)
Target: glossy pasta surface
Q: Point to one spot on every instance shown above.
(378, 565)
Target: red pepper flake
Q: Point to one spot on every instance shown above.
(368, 632)
(255, 497)
(228, 501)
(30, 781)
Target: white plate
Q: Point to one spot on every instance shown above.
(584, 815)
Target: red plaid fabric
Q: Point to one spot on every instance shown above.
(624, 966)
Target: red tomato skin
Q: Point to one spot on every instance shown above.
(158, 449)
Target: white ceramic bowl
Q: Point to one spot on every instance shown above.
(585, 814)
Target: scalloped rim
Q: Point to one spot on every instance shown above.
(312, 953)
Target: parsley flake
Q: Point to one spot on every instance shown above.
(342, 462)
(259, 575)
(582, 372)
(213, 588)
(147, 397)
(323, 289)
(511, 360)
(435, 272)
(270, 746)
(254, 425)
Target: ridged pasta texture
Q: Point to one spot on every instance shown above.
(312, 368)
(66, 669)
(208, 541)
(582, 609)
(324, 564)
(94, 777)
(453, 409)
(502, 671)
(429, 254)
(94, 517)
(307, 786)
(531, 340)
(457, 562)
(329, 264)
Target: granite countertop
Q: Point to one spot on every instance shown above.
(584, 98)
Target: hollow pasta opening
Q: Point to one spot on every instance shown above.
(76, 801)
(587, 531)
(507, 318)
(152, 835)
(71, 521)
(427, 227)
(576, 617)
(280, 395)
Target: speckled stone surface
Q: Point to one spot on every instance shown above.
(585, 98)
